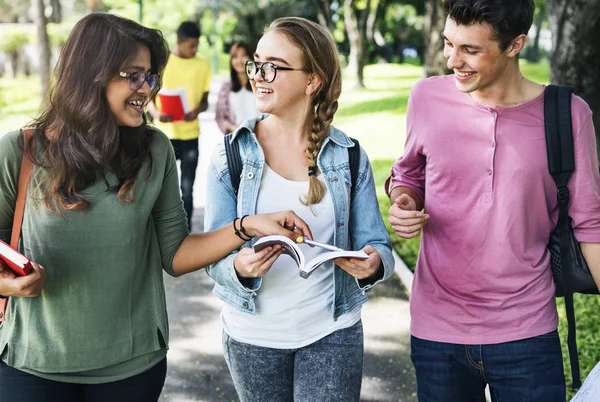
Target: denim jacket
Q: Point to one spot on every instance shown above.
(356, 225)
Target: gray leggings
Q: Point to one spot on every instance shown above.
(327, 370)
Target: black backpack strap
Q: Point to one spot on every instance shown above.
(234, 162)
(354, 160)
(561, 164)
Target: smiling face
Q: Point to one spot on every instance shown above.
(476, 59)
(238, 58)
(288, 91)
(126, 104)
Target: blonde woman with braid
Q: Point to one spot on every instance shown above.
(287, 338)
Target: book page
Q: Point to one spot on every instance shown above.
(321, 258)
(590, 389)
(289, 247)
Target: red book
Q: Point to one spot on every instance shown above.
(173, 102)
(16, 261)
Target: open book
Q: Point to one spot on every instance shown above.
(590, 390)
(173, 102)
(306, 267)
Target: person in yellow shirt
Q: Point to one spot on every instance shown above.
(185, 70)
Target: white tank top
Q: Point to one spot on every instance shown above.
(291, 312)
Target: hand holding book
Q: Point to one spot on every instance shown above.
(307, 267)
(18, 275)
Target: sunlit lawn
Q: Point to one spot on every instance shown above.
(19, 101)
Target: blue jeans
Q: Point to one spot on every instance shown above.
(187, 152)
(528, 370)
(19, 386)
(328, 370)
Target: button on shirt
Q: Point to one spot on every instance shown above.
(483, 270)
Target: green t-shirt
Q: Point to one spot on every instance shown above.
(102, 314)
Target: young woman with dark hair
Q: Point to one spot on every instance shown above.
(103, 219)
(236, 102)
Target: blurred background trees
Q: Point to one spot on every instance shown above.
(367, 32)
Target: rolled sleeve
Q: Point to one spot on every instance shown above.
(367, 227)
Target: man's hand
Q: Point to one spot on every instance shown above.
(165, 117)
(358, 268)
(249, 264)
(191, 115)
(285, 223)
(404, 218)
(22, 286)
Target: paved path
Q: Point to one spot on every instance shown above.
(197, 370)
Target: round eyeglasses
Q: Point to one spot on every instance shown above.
(268, 70)
(136, 80)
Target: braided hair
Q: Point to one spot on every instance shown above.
(321, 59)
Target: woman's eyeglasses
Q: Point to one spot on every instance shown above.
(268, 70)
(136, 80)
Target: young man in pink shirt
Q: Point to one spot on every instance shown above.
(474, 178)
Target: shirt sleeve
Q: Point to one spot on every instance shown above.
(206, 87)
(584, 185)
(409, 169)
(223, 111)
(10, 166)
(169, 217)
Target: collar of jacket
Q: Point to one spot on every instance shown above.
(335, 135)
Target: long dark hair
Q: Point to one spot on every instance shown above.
(236, 84)
(79, 134)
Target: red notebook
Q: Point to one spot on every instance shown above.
(16, 261)
(173, 102)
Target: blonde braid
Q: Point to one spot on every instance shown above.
(324, 112)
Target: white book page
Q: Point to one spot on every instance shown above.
(321, 258)
(590, 389)
(289, 247)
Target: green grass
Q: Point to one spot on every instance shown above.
(19, 101)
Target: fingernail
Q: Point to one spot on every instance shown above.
(418, 214)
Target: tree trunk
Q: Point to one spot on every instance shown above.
(356, 27)
(324, 14)
(43, 43)
(14, 63)
(56, 15)
(434, 61)
(575, 51)
(533, 53)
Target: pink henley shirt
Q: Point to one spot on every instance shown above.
(483, 273)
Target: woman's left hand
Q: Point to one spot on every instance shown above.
(358, 268)
(285, 223)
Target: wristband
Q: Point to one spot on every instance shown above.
(238, 233)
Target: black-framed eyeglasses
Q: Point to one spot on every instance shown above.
(136, 80)
(268, 70)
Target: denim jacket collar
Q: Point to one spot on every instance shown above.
(335, 135)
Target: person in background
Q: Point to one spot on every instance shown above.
(185, 70)
(236, 102)
(103, 219)
(475, 180)
(285, 337)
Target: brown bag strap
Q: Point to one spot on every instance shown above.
(24, 180)
(23, 185)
